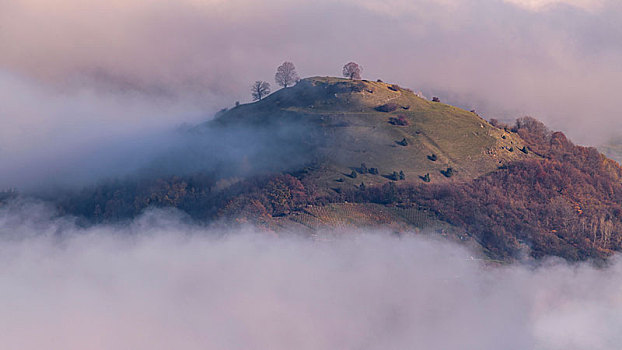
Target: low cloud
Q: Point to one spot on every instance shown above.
(160, 283)
(83, 138)
(50, 136)
(80, 76)
(539, 5)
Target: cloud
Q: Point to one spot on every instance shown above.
(51, 137)
(160, 283)
(79, 76)
(89, 136)
(539, 5)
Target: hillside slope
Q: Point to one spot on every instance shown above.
(336, 153)
(382, 126)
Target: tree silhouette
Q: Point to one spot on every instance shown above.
(286, 74)
(352, 70)
(260, 89)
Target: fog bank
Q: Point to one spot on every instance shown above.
(162, 284)
(108, 77)
(553, 59)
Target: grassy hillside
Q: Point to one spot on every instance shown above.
(363, 125)
(358, 122)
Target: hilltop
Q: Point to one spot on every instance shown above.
(331, 152)
(385, 127)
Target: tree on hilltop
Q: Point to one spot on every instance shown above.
(260, 89)
(352, 70)
(286, 74)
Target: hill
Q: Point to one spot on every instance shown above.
(382, 126)
(332, 152)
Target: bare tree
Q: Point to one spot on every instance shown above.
(352, 70)
(286, 74)
(260, 89)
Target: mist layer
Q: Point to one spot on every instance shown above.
(160, 284)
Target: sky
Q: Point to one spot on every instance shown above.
(78, 76)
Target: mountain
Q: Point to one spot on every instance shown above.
(332, 152)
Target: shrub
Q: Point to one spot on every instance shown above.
(426, 177)
(353, 174)
(449, 172)
(404, 142)
(399, 121)
(363, 169)
(388, 107)
(436, 99)
(402, 175)
(433, 157)
(373, 171)
(394, 87)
